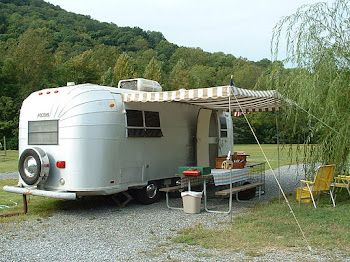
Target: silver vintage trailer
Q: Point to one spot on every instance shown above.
(88, 139)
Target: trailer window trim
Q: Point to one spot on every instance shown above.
(150, 124)
(223, 126)
(51, 128)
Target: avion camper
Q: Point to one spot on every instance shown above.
(85, 139)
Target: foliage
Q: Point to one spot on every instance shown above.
(8, 118)
(202, 76)
(153, 70)
(318, 44)
(123, 68)
(107, 77)
(179, 77)
(42, 45)
(32, 61)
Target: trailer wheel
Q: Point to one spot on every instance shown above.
(148, 194)
(247, 194)
(33, 166)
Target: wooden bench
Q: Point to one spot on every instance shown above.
(237, 189)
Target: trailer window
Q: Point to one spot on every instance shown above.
(152, 119)
(143, 124)
(43, 132)
(134, 118)
(223, 126)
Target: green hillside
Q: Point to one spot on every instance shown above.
(42, 45)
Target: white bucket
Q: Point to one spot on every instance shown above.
(191, 201)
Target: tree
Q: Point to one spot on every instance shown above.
(123, 68)
(9, 121)
(107, 77)
(141, 60)
(191, 56)
(202, 76)
(179, 77)
(81, 68)
(33, 61)
(246, 74)
(153, 70)
(318, 44)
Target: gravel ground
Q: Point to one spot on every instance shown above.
(134, 233)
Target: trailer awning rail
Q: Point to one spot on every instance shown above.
(219, 97)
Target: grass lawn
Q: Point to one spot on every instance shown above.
(266, 226)
(287, 154)
(38, 206)
(9, 162)
(270, 226)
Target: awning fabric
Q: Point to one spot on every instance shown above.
(213, 98)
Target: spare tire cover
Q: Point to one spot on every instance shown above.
(33, 166)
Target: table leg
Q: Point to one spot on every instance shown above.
(215, 211)
(205, 195)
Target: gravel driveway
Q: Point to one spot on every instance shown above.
(134, 233)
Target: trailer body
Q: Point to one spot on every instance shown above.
(85, 140)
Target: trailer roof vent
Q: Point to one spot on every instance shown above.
(140, 84)
(70, 84)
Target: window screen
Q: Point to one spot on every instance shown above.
(143, 124)
(43, 132)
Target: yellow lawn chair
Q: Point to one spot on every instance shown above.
(342, 182)
(322, 184)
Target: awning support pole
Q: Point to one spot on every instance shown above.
(274, 175)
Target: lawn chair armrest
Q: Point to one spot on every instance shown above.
(307, 182)
(342, 178)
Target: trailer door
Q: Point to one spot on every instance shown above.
(207, 138)
(226, 134)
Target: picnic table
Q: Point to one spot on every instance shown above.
(219, 177)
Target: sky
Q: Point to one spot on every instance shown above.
(242, 28)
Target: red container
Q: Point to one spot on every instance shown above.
(191, 173)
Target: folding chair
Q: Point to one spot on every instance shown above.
(342, 182)
(322, 184)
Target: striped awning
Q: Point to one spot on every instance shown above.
(218, 98)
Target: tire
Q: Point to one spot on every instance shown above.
(247, 194)
(148, 194)
(33, 166)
